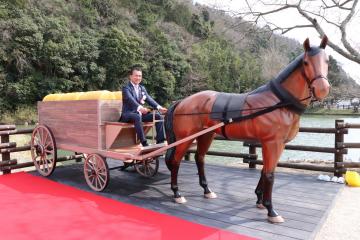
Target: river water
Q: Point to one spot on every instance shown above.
(308, 139)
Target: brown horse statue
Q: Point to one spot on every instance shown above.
(269, 114)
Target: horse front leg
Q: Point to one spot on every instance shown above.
(174, 165)
(174, 184)
(271, 153)
(203, 145)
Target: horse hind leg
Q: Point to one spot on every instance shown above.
(173, 165)
(203, 144)
(259, 191)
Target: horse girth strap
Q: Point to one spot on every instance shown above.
(286, 97)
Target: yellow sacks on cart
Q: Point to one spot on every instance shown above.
(91, 95)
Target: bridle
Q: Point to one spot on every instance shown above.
(311, 81)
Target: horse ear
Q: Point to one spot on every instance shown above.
(324, 42)
(306, 44)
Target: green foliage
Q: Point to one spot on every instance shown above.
(223, 69)
(118, 51)
(200, 27)
(23, 114)
(146, 16)
(64, 46)
(334, 75)
(179, 14)
(166, 66)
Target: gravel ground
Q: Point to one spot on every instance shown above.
(343, 221)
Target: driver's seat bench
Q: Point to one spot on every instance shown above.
(120, 134)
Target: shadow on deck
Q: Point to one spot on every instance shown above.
(299, 198)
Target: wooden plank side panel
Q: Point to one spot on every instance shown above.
(71, 122)
(109, 111)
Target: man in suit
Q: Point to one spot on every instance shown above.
(133, 110)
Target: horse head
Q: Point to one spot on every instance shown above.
(315, 69)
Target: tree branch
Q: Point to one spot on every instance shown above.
(304, 9)
(343, 30)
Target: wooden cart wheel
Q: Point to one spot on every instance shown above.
(43, 150)
(96, 172)
(147, 168)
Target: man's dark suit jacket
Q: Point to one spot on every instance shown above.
(131, 102)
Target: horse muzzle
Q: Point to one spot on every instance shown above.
(320, 88)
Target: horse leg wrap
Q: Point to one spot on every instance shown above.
(259, 203)
(177, 196)
(175, 189)
(269, 207)
(203, 184)
(207, 191)
(273, 216)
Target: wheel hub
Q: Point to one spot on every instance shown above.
(40, 150)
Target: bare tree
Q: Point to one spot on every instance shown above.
(320, 15)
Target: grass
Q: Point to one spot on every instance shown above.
(332, 111)
(21, 140)
(22, 115)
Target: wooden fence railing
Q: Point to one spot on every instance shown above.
(339, 149)
(6, 147)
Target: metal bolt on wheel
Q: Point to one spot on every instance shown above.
(96, 172)
(148, 167)
(43, 150)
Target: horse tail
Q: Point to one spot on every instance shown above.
(170, 135)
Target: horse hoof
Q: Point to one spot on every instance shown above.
(180, 200)
(260, 206)
(210, 195)
(277, 219)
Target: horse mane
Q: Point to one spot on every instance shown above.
(275, 86)
(284, 74)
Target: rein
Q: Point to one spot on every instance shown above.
(278, 105)
(285, 97)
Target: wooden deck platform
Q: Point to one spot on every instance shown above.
(300, 199)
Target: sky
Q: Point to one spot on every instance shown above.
(300, 35)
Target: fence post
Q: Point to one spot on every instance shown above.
(339, 138)
(5, 156)
(187, 156)
(252, 150)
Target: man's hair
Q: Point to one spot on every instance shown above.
(135, 68)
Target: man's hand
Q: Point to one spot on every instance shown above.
(144, 110)
(162, 110)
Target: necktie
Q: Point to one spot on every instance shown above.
(137, 91)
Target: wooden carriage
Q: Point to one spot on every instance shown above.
(90, 127)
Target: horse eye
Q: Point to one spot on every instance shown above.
(306, 63)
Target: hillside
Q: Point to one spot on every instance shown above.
(80, 45)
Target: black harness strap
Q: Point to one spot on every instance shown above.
(293, 104)
(258, 113)
(223, 132)
(224, 117)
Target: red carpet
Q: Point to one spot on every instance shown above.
(37, 208)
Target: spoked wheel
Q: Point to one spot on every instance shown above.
(43, 150)
(148, 167)
(96, 172)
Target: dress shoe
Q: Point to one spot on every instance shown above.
(160, 141)
(125, 166)
(144, 144)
